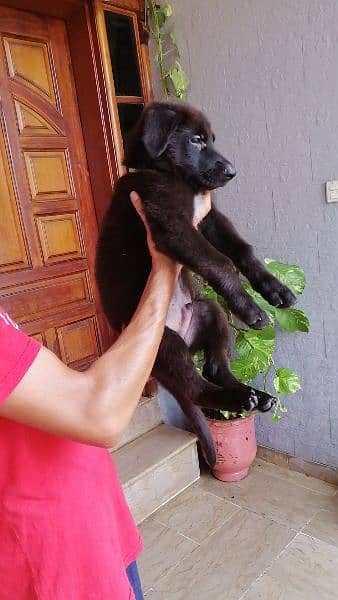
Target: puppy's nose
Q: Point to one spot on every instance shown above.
(229, 170)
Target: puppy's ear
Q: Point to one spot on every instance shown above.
(159, 122)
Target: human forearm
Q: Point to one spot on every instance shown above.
(95, 406)
(118, 377)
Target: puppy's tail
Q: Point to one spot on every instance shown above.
(200, 427)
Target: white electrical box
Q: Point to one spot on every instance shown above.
(332, 191)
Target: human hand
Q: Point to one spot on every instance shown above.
(159, 260)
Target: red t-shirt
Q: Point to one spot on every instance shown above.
(66, 532)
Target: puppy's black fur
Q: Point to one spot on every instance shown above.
(172, 149)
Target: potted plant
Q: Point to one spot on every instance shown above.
(234, 434)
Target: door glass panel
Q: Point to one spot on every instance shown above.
(123, 55)
(128, 114)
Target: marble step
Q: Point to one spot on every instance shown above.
(146, 417)
(156, 467)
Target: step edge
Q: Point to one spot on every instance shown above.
(151, 467)
(155, 423)
(179, 491)
(190, 437)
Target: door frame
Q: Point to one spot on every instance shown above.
(101, 139)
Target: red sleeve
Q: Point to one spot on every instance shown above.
(17, 352)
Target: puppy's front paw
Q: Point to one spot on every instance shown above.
(275, 292)
(256, 319)
(246, 309)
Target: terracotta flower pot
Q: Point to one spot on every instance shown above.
(236, 447)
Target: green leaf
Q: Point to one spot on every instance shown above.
(167, 9)
(275, 418)
(223, 304)
(161, 18)
(255, 349)
(263, 304)
(286, 382)
(292, 319)
(261, 341)
(253, 363)
(291, 275)
(209, 294)
(199, 360)
(180, 80)
(245, 369)
(226, 414)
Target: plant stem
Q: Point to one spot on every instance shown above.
(157, 34)
(169, 51)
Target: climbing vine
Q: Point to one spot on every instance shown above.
(173, 77)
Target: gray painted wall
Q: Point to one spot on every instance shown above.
(266, 73)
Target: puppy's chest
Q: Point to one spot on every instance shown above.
(199, 202)
(180, 310)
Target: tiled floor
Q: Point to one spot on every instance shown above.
(272, 536)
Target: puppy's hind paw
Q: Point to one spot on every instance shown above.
(265, 401)
(252, 401)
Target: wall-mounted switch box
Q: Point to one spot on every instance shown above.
(332, 191)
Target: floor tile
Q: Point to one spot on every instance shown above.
(149, 594)
(322, 472)
(227, 562)
(310, 483)
(152, 595)
(307, 570)
(324, 526)
(163, 549)
(278, 498)
(196, 513)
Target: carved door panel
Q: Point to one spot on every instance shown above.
(48, 225)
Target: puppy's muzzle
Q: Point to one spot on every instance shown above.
(225, 169)
(229, 170)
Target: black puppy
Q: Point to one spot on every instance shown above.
(172, 148)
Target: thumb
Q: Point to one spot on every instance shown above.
(135, 198)
(137, 203)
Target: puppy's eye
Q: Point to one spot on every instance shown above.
(196, 139)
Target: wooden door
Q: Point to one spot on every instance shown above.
(48, 225)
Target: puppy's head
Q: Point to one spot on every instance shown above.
(178, 138)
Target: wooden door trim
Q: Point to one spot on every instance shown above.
(94, 111)
(125, 4)
(60, 9)
(102, 158)
(134, 10)
(135, 14)
(99, 9)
